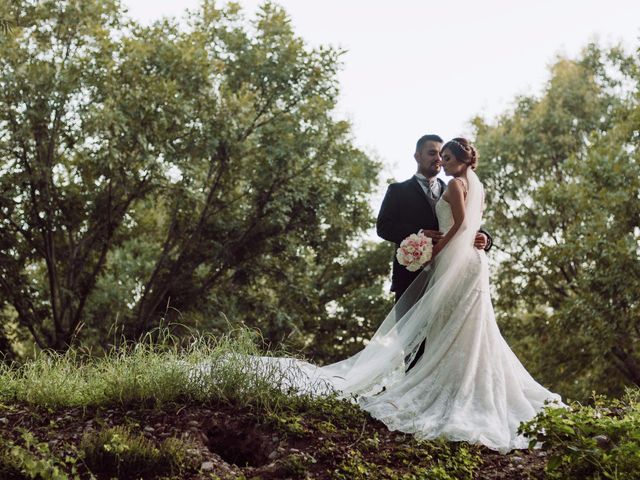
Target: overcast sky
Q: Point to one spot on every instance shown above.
(418, 66)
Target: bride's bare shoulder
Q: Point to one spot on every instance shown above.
(457, 185)
(462, 182)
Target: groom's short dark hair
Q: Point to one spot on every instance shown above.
(427, 138)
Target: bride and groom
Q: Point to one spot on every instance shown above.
(438, 366)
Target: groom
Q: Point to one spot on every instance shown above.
(409, 206)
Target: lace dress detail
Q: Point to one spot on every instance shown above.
(468, 385)
(445, 215)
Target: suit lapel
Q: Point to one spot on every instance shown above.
(430, 202)
(442, 187)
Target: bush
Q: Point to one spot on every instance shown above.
(597, 441)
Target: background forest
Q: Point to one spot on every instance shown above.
(199, 175)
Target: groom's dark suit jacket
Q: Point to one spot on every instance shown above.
(405, 210)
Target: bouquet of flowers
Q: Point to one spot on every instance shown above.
(415, 251)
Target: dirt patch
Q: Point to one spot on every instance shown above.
(241, 442)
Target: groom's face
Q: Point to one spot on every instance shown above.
(429, 159)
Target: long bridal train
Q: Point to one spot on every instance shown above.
(468, 385)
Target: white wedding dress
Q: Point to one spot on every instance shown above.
(468, 385)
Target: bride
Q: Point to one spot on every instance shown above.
(468, 385)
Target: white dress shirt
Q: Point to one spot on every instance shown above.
(431, 187)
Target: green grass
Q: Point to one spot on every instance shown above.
(152, 372)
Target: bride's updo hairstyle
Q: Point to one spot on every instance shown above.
(463, 151)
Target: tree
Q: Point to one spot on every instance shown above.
(562, 176)
(5, 20)
(153, 170)
(5, 25)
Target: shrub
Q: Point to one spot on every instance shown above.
(595, 441)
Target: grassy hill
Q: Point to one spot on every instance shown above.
(140, 412)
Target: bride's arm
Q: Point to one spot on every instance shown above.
(455, 197)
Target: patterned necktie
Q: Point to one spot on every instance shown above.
(429, 187)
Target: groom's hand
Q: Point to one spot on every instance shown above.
(434, 235)
(480, 241)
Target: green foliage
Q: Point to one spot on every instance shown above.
(598, 441)
(352, 290)
(287, 424)
(121, 453)
(459, 460)
(419, 460)
(154, 172)
(9, 464)
(562, 174)
(355, 467)
(296, 465)
(34, 460)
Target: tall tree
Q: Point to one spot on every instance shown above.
(151, 170)
(562, 174)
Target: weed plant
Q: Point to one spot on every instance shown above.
(33, 459)
(119, 453)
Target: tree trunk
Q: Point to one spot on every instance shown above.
(627, 364)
